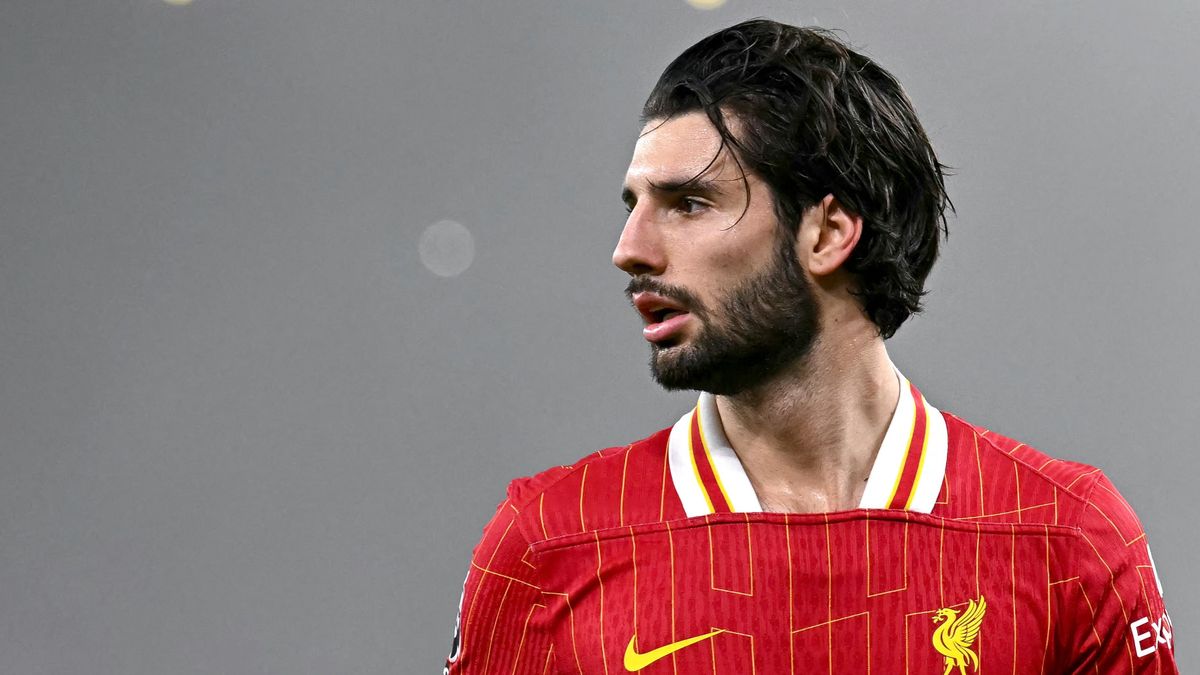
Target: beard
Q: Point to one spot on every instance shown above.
(761, 327)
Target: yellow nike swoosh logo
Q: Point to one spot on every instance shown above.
(635, 661)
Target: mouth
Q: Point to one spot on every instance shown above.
(664, 318)
(662, 315)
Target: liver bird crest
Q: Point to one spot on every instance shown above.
(957, 632)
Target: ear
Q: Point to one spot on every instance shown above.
(829, 233)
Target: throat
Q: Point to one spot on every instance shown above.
(779, 497)
(811, 447)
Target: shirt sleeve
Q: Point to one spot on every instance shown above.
(500, 627)
(1120, 624)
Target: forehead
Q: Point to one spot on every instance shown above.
(680, 147)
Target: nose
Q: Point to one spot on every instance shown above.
(639, 250)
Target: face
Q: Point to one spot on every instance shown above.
(727, 305)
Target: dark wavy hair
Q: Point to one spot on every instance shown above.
(816, 118)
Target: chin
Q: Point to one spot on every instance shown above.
(673, 367)
(674, 344)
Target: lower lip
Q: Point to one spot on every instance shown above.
(664, 330)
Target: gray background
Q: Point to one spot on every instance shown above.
(244, 430)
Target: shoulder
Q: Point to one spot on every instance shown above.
(993, 478)
(606, 488)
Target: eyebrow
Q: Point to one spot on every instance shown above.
(675, 186)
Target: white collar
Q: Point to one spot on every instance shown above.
(907, 474)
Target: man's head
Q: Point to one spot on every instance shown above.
(774, 160)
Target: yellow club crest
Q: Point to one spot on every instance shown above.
(957, 632)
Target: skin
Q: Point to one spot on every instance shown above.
(807, 436)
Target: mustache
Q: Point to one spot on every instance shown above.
(677, 294)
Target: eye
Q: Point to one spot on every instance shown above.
(690, 205)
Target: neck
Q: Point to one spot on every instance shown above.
(808, 438)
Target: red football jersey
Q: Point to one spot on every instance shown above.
(969, 553)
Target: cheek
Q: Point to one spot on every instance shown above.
(734, 264)
(718, 263)
(728, 252)
(719, 275)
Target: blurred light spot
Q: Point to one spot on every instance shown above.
(178, 3)
(706, 4)
(447, 248)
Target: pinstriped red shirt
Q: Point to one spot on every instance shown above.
(969, 553)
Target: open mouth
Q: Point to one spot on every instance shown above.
(665, 319)
(666, 314)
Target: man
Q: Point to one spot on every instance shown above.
(813, 512)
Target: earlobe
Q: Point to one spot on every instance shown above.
(838, 232)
